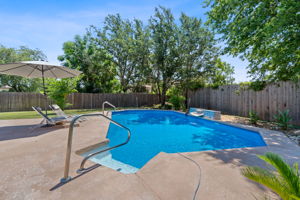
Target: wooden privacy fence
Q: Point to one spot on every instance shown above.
(22, 101)
(89, 100)
(236, 100)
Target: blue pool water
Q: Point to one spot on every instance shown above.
(155, 131)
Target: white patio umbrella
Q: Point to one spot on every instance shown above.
(38, 69)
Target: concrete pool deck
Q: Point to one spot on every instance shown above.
(32, 163)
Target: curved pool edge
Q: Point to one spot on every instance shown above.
(265, 134)
(271, 138)
(276, 141)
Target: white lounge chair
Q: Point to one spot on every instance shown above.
(60, 113)
(53, 120)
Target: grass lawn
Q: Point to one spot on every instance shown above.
(33, 114)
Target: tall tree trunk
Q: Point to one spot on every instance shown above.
(187, 83)
(163, 94)
(158, 91)
(123, 85)
(163, 99)
(186, 98)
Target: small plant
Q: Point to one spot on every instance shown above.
(283, 119)
(167, 106)
(253, 117)
(58, 91)
(285, 181)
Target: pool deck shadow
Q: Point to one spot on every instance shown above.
(60, 184)
(20, 130)
(32, 166)
(276, 142)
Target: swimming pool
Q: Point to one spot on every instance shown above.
(155, 131)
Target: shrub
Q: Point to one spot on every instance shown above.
(175, 98)
(285, 181)
(156, 106)
(283, 119)
(58, 91)
(253, 117)
(167, 106)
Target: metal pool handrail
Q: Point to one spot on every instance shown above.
(66, 177)
(103, 105)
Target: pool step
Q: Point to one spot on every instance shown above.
(106, 159)
(92, 147)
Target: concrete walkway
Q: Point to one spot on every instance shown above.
(32, 163)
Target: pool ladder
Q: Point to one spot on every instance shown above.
(103, 105)
(66, 177)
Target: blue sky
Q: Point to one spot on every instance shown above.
(47, 24)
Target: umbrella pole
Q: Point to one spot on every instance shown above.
(46, 100)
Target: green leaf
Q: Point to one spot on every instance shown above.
(285, 181)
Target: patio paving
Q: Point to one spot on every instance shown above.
(32, 163)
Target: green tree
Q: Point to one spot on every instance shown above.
(267, 33)
(220, 74)
(87, 56)
(199, 54)
(163, 53)
(285, 181)
(166, 59)
(141, 55)
(58, 90)
(19, 84)
(185, 53)
(127, 42)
